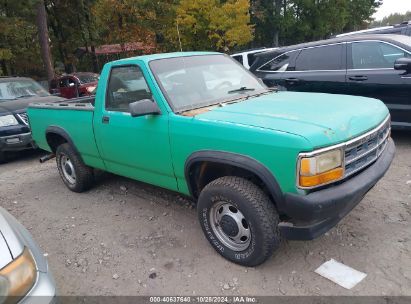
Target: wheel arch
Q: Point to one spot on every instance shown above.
(231, 163)
(56, 136)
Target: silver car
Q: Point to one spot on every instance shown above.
(24, 273)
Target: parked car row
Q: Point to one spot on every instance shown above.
(190, 107)
(377, 66)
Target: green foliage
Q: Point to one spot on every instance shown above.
(211, 25)
(294, 21)
(392, 19)
(19, 48)
(222, 25)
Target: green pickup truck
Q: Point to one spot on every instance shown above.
(262, 165)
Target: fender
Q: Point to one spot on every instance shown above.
(240, 161)
(60, 131)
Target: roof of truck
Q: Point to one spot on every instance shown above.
(148, 58)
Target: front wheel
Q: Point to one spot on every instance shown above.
(239, 220)
(75, 174)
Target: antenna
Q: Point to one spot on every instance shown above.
(178, 33)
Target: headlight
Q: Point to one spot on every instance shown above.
(17, 278)
(320, 169)
(8, 120)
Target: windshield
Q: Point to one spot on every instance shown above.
(199, 81)
(87, 78)
(21, 88)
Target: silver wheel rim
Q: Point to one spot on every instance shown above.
(68, 169)
(230, 226)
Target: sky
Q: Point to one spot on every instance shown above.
(392, 6)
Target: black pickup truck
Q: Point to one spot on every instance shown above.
(16, 93)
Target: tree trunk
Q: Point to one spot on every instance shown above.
(277, 20)
(94, 59)
(4, 67)
(41, 19)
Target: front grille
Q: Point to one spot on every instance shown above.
(24, 118)
(361, 152)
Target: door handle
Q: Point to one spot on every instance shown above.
(358, 78)
(291, 80)
(105, 120)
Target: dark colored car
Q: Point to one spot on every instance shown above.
(74, 85)
(16, 93)
(377, 66)
(403, 28)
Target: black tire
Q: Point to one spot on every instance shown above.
(84, 176)
(3, 157)
(251, 203)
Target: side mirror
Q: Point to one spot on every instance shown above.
(143, 107)
(403, 64)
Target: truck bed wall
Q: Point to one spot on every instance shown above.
(76, 122)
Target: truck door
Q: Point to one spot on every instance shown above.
(136, 147)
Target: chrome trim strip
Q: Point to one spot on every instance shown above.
(369, 163)
(379, 143)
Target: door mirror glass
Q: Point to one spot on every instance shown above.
(143, 107)
(403, 64)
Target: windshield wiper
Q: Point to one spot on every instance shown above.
(242, 89)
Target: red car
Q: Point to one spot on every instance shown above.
(74, 85)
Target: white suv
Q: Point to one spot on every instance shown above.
(247, 58)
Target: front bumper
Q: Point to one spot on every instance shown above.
(17, 142)
(314, 214)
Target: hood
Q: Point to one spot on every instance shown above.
(323, 119)
(21, 104)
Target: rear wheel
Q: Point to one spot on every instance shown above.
(239, 220)
(75, 174)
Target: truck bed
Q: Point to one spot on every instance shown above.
(73, 117)
(86, 103)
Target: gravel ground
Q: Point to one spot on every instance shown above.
(128, 238)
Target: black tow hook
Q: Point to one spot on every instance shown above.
(47, 157)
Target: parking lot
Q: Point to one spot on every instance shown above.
(128, 238)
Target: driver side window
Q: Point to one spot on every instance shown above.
(126, 85)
